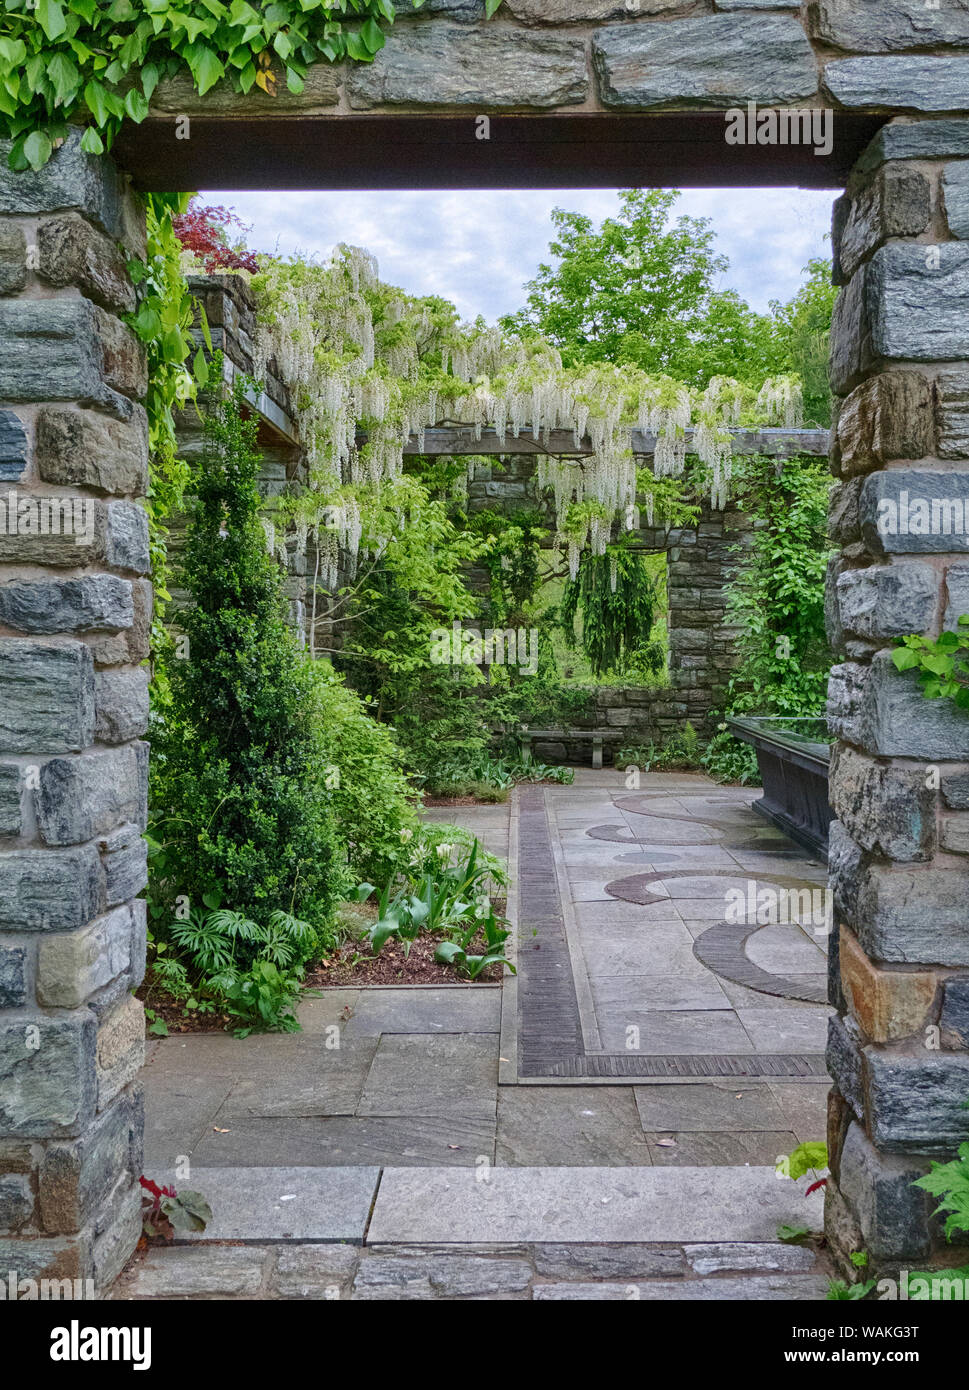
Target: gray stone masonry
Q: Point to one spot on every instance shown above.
(899, 787)
(74, 613)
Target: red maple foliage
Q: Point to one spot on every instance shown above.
(204, 231)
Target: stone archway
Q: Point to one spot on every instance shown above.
(638, 100)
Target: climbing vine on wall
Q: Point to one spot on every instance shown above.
(97, 62)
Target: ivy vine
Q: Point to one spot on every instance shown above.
(97, 63)
(941, 663)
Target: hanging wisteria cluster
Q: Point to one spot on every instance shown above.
(369, 367)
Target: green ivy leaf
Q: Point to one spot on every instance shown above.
(91, 142)
(51, 19)
(37, 149)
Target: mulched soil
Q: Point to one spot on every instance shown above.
(392, 967)
(463, 801)
(166, 1008)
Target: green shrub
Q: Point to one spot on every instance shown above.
(727, 759)
(240, 809)
(371, 798)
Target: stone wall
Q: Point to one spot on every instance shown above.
(702, 562)
(633, 55)
(75, 613)
(899, 1048)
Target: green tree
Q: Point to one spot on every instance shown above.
(630, 290)
(241, 807)
(800, 332)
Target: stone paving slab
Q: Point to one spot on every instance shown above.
(441, 1075)
(573, 1126)
(350, 1141)
(772, 1030)
(588, 1204)
(711, 1106)
(621, 1000)
(725, 1258)
(468, 1009)
(268, 1204)
(755, 1148)
(671, 1032)
(323, 1081)
(178, 1114)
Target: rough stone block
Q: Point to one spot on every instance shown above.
(914, 511)
(955, 193)
(127, 537)
(13, 980)
(719, 60)
(844, 525)
(72, 966)
(914, 915)
(892, 1214)
(48, 704)
(80, 447)
(957, 596)
(47, 1076)
(120, 1048)
(121, 698)
(118, 1234)
(177, 96)
(68, 349)
(81, 797)
(884, 712)
(76, 1178)
(49, 890)
(954, 1018)
(945, 139)
(955, 788)
(579, 11)
(442, 64)
(916, 1104)
(954, 834)
(919, 313)
(952, 414)
(94, 602)
(890, 26)
(13, 258)
(916, 83)
(16, 1201)
(13, 447)
(888, 1004)
(71, 179)
(72, 252)
(125, 869)
(850, 340)
(887, 601)
(843, 1057)
(886, 809)
(897, 202)
(11, 813)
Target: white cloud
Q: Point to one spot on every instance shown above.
(478, 248)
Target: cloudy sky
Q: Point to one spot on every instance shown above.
(478, 248)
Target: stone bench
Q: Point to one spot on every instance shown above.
(597, 737)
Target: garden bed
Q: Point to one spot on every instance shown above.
(349, 966)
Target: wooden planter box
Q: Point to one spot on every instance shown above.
(793, 761)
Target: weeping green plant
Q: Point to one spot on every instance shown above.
(617, 600)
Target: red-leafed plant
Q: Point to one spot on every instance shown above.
(165, 1211)
(205, 231)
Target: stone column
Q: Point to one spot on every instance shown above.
(75, 613)
(900, 771)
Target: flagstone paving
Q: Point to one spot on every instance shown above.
(647, 1039)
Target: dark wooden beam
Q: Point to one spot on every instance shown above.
(557, 150)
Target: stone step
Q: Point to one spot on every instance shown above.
(443, 1205)
(439, 1205)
